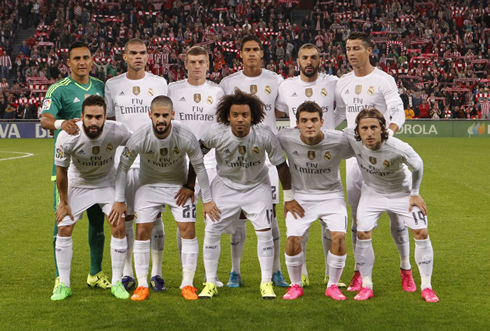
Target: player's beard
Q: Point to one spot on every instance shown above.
(93, 134)
(163, 131)
(313, 73)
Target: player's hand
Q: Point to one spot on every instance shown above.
(62, 211)
(417, 201)
(70, 126)
(118, 213)
(294, 208)
(210, 209)
(182, 196)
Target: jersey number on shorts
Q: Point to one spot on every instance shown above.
(274, 193)
(270, 216)
(189, 211)
(419, 216)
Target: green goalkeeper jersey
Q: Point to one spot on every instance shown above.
(64, 100)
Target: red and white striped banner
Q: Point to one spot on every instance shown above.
(23, 101)
(157, 40)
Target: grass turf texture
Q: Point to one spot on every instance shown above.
(455, 187)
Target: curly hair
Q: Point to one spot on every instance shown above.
(371, 113)
(240, 98)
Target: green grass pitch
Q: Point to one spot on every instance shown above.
(456, 188)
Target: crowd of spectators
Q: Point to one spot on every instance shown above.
(438, 51)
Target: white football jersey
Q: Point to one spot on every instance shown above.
(378, 89)
(195, 106)
(315, 169)
(294, 91)
(241, 161)
(163, 161)
(91, 161)
(385, 170)
(264, 86)
(129, 100)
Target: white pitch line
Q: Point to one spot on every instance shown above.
(17, 157)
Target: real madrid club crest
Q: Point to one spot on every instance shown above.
(253, 89)
(370, 90)
(176, 151)
(309, 92)
(324, 92)
(386, 163)
(197, 98)
(255, 150)
(163, 151)
(151, 92)
(358, 89)
(136, 90)
(268, 90)
(109, 147)
(372, 159)
(95, 150)
(327, 156)
(210, 100)
(311, 155)
(242, 150)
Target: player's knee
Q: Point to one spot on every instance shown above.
(420, 234)
(65, 231)
(143, 231)
(187, 230)
(364, 235)
(293, 245)
(118, 231)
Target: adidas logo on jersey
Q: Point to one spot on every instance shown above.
(296, 153)
(227, 151)
(81, 152)
(347, 92)
(151, 152)
(182, 99)
(294, 94)
(122, 93)
(76, 100)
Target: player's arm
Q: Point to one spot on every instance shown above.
(394, 105)
(188, 189)
(290, 205)
(63, 208)
(48, 122)
(415, 163)
(111, 114)
(339, 111)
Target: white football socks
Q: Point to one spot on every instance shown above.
(401, 238)
(336, 265)
(64, 254)
(211, 252)
(190, 252)
(326, 243)
(157, 245)
(365, 261)
(237, 241)
(304, 243)
(265, 252)
(294, 264)
(128, 261)
(119, 249)
(424, 257)
(142, 261)
(276, 237)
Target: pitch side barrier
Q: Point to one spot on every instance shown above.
(431, 128)
(412, 128)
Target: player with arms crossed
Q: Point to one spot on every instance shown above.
(364, 87)
(85, 176)
(129, 97)
(263, 84)
(314, 156)
(390, 187)
(242, 182)
(195, 100)
(62, 108)
(320, 88)
(163, 146)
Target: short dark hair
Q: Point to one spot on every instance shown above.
(94, 100)
(162, 101)
(371, 113)
(77, 44)
(308, 46)
(240, 98)
(133, 41)
(363, 36)
(250, 37)
(310, 107)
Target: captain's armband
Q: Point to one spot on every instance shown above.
(205, 150)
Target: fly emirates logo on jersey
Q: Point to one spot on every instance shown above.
(197, 114)
(94, 161)
(357, 105)
(243, 161)
(165, 159)
(374, 170)
(137, 107)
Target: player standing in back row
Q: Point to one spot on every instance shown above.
(364, 87)
(263, 84)
(128, 98)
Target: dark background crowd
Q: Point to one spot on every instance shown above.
(438, 51)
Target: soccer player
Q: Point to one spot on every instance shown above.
(129, 97)
(390, 187)
(364, 87)
(85, 176)
(163, 146)
(320, 88)
(242, 182)
(195, 100)
(62, 108)
(263, 84)
(314, 156)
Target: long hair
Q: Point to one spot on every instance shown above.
(371, 113)
(240, 98)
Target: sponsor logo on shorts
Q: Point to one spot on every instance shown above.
(96, 150)
(373, 160)
(327, 156)
(163, 151)
(136, 90)
(311, 155)
(255, 150)
(309, 92)
(242, 150)
(109, 147)
(197, 98)
(324, 92)
(268, 90)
